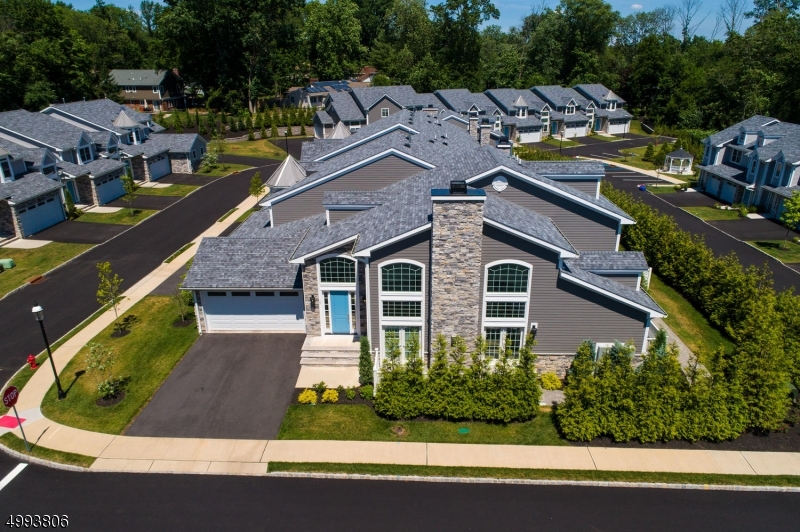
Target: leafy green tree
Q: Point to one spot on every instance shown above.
(649, 152)
(257, 187)
(333, 37)
(381, 80)
(109, 289)
(578, 417)
(129, 186)
(790, 215)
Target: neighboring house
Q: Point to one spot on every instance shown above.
(407, 229)
(571, 115)
(609, 115)
(524, 118)
(315, 95)
(473, 112)
(754, 162)
(132, 137)
(158, 90)
(366, 75)
(342, 107)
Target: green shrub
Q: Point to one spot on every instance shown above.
(365, 363)
(366, 392)
(649, 153)
(551, 382)
(320, 387)
(340, 389)
(350, 393)
(308, 397)
(330, 396)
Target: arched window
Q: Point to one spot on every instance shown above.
(507, 278)
(337, 270)
(401, 277)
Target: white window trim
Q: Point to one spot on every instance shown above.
(352, 288)
(742, 140)
(734, 153)
(598, 346)
(612, 105)
(504, 323)
(401, 296)
(402, 340)
(570, 110)
(523, 112)
(386, 114)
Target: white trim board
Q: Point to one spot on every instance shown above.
(650, 312)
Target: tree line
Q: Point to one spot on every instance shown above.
(242, 53)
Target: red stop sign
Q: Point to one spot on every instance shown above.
(10, 396)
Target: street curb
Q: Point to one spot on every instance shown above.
(531, 482)
(40, 461)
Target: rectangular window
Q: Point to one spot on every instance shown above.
(384, 112)
(523, 112)
(754, 165)
(265, 294)
(240, 294)
(778, 169)
(156, 89)
(736, 157)
(327, 310)
(496, 340)
(570, 110)
(194, 154)
(602, 350)
(217, 294)
(505, 309)
(85, 154)
(401, 339)
(353, 309)
(402, 309)
(742, 137)
(288, 294)
(612, 106)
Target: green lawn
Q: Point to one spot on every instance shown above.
(710, 213)
(146, 356)
(181, 250)
(538, 474)
(563, 144)
(634, 158)
(255, 148)
(636, 128)
(221, 170)
(227, 214)
(686, 321)
(245, 215)
(776, 248)
(123, 217)
(664, 189)
(33, 262)
(16, 444)
(359, 422)
(172, 190)
(605, 138)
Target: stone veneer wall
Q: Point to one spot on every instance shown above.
(8, 225)
(141, 171)
(474, 128)
(310, 287)
(456, 268)
(179, 164)
(85, 190)
(558, 364)
(485, 132)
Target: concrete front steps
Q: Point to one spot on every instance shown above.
(331, 350)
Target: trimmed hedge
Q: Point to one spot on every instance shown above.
(455, 390)
(765, 326)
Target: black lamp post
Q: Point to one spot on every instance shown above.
(38, 312)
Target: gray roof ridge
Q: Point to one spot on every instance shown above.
(638, 297)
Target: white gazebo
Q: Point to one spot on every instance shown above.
(679, 162)
(287, 174)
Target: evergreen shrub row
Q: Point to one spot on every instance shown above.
(456, 390)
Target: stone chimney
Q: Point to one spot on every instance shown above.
(475, 127)
(456, 241)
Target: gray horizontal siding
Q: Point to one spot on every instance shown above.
(566, 313)
(374, 114)
(339, 215)
(587, 186)
(586, 229)
(374, 176)
(417, 248)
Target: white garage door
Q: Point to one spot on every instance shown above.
(253, 311)
(530, 136)
(575, 132)
(712, 185)
(728, 192)
(616, 129)
(159, 168)
(40, 214)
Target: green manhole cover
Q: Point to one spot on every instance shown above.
(463, 430)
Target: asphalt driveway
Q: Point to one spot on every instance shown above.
(234, 386)
(73, 232)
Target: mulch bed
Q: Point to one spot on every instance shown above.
(120, 334)
(111, 401)
(788, 441)
(342, 399)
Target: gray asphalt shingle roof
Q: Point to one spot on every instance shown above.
(558, 96)
(28, 187)
(155, 144)
(726, 172)
(124, 76)
(598, 93)
(505, 99)
(550, 168)
(786, 192)
(96, 168)
(636, 296)
(609, 261)
(324, 118)
(462, 100)
(752, 124)
(525, 221)
(42, 128)
(103, 113)
(345, 107)
(404, 95)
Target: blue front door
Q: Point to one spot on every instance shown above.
(72, 191)
(553, 128)
(598, 123)
(340, 312)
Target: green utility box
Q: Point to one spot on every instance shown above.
(7, 263)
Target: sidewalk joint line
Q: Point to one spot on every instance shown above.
(748, 463)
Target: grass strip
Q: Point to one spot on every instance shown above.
(263, 149)
(227, 214)
(245, 215)
(175, 255)
(709, 214)
(539, 474)
(122, 217)
(172, 190)
(33, 262)
(16, 444)
(687, 322)
(775, 248)
(561, 143)
(222, 169)
(144, 357)
(359, 422)
(662, 190)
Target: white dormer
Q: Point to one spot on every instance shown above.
(521, 106)
(6, 172)
(498, 123)
(742, 138)
(570, 110)
(612, 105)
(590, 110)
(544, 114)
(85, 154)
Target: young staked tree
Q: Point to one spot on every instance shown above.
(130, 191)
(791, 214)
(257, 187)
(109, 289)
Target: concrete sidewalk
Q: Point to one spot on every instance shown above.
(250, 457)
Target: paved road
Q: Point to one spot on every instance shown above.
(69, 295)
(598, 148)
(716, 239)
(134, 501)
(80, 232)
(227, 386)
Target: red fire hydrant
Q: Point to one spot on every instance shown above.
(32, 362)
